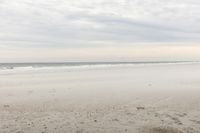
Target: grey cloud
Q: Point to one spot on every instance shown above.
(59, 23)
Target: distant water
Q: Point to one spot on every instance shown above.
(6, 66)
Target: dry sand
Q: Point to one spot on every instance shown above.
(161, 98)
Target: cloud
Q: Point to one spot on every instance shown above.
(100, 23)
(113, 20)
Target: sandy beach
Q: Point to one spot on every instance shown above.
(151, 98)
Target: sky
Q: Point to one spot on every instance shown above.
(99, 30)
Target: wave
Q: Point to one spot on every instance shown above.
(28, 66)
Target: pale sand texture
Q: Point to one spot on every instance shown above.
(162, 98)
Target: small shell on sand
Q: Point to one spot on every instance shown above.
(140, 108)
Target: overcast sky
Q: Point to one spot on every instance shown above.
(99, 30)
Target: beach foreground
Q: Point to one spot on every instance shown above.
(153, 98)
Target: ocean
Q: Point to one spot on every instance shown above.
(10, 66)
